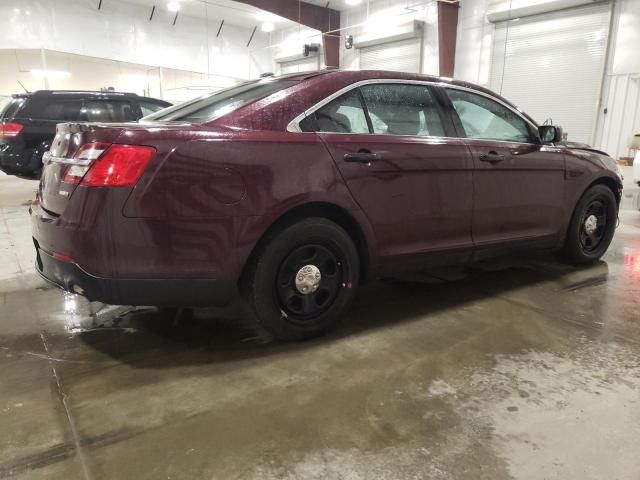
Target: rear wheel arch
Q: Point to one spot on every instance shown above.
(329, 211)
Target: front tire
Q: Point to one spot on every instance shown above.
(302, 279)
(592, 226)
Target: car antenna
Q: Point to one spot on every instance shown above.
(23, 87)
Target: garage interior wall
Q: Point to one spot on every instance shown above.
(619, 92)
(79, 72)
(382, 20)
(563, 84)
(121, 31)
(287, 43)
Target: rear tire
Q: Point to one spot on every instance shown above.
(592, 226)
(302, 279)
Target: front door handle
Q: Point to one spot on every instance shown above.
(362, 156)
(491, 157)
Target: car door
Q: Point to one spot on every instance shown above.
(518, 183)
(414, 183)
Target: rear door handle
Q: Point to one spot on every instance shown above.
(361, 157)
(491, 157)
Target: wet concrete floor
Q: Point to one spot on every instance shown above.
(518, 369)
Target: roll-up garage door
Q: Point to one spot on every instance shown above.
(401, 56)
(303, 65)
(551, 65)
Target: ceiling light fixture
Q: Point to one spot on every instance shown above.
(267, 27)
(173, 6)
(353, 3)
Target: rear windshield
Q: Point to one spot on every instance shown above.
(217, 104)
(9, 107)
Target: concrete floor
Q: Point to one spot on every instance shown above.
(521, 369)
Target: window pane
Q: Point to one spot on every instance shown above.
(342, 115)
(61, 111)
(106, 111)
(148, 108)
(483, 118)
(399, 109)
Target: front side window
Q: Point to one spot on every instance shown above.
(345, 114)
(402, 109)
(483, 118)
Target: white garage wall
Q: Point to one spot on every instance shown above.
(79, 72)
(621, 92)
(122, 31)
(380, 18)
(620, 89)
(473, 42)
(288, 44)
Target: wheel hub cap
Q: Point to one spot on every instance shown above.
(590, 224)
(308, 279)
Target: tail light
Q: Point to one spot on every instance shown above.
(101, 165)
(10, 130)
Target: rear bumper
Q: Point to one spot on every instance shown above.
(162, 292)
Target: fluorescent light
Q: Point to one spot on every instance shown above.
(49, 73)
(353, 3)
(173, 6)
(267, 27)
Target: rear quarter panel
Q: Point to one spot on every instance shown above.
(208, 200)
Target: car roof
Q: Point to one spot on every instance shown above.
(84, 94)
(353, 76)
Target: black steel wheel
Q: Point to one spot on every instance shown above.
(302, 279)
(308, 282)
(592, 225)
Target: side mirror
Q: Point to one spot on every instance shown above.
(550, 133)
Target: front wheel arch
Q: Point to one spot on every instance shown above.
(608, 182)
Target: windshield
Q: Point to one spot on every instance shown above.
(215, 105)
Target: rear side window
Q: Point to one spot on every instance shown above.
(402, 109)
(345, 114)
(10, 107)
(60, 111)
(149, 107)
(107, 111)
(483, 118)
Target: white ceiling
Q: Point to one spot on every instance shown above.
(338, 4)
(234, 13)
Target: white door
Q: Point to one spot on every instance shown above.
(306, 64)
(401, 56)
(551, 66)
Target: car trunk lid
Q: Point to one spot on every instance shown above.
(74, 148)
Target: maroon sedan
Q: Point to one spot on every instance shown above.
(292, 190)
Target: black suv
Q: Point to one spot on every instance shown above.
(28, 121)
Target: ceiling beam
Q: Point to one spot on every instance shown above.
(313, 16)
(447, 33)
